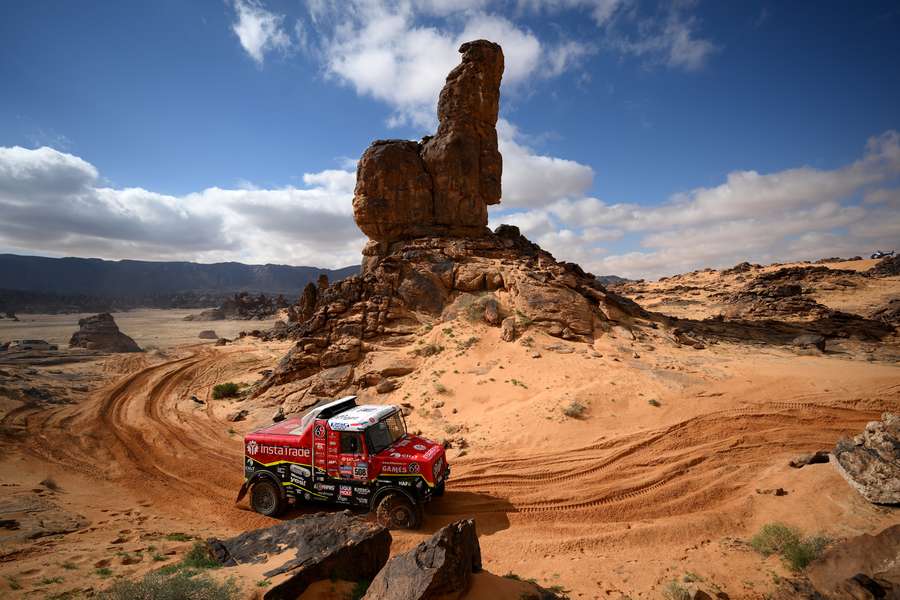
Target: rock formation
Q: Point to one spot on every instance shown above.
(870, 462)
(431, 255)
(444, 184)
(440, 567)
(307, 549)
(100, 332)
(865, 566)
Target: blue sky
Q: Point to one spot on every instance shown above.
(639, 138)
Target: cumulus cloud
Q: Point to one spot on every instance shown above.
(800, 213)
(259, 30)
(55, 202)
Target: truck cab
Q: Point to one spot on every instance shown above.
(347, 454)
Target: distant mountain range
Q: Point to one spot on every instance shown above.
(39, 284)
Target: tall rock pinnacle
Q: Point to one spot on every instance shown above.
(443, 185)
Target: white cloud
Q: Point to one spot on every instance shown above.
(532, 180)
(797, 214)
(259, 30)
(54, 202)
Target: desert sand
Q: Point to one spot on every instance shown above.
(661, 476)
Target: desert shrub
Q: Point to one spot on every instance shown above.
(523, 319)
(198, 558)
(178, 537)
(182, 585)
(676, 591)
(440, 388)
(225, 390)
(575, 410)
(429, 350)
(653, 402)
(788, 542)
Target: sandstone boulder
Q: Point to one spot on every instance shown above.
(208, 334)
(862, 567)
(870, 462)
(308, 549)
(100, 332)
(443, 185)
(440, 567)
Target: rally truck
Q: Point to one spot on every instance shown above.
(343, 453)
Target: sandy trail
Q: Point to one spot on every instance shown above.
(689, 472)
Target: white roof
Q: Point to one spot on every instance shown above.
(360, 417)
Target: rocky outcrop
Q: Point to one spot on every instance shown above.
(406, 283)
(870, 462)
(444, 184)
(100, 332)
(308, 549)
(440, 567)
(862, 567)
(886, 267)
(212, 314)
(208, 334)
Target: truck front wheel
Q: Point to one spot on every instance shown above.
(265, 498)
(396, 511)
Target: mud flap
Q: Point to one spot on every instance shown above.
(242, 493)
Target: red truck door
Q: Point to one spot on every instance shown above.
(353, 462)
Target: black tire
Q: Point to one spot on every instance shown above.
(266, 499)
(396, 511)
(440, 488)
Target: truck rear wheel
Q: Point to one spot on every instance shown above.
(396, 511)
(265, 498)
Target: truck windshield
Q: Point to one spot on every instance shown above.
(385, 432)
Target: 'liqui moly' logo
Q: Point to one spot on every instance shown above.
(252, 447)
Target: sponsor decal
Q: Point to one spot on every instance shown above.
(406, 483)
(401, 443)
(413, 467)
(419, 447)
(432, 452)
(346, 490)
(319, 431)
(338, 426)
(324, 487)
(253, 448)
(361, 491)
(361, 472)
(301, 481)
(391, 468)
(395, 455)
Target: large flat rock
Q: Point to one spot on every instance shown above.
(310, 548)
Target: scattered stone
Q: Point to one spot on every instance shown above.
(207, 334)
(197, 400)
(508, 329)
(279, 415)
(100, 332)
(386, 386)
(491, 314)
(307, 549)
(870, 462)
(238, 415)
(810, 341)
(535, 354)
(440, 567)
(222, 341)
(818, 457)
(774, 492)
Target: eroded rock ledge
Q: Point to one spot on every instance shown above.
(406, 284)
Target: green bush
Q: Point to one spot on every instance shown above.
(676, 591)
(182, 585)
(788, 542)
(225, 390)
(198, 558)
(575, 410)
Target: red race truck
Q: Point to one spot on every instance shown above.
(344, 453)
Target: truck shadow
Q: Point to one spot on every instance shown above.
(490, 512)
